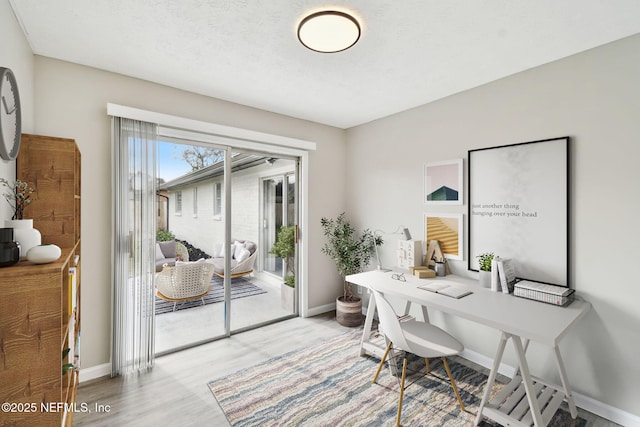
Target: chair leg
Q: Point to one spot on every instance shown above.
(453, 383)
(384, 357)
(426, 361)
(404, 375)
(203, 303)
(174, 306)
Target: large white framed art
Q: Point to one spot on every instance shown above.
(443, 183)
(519, 207)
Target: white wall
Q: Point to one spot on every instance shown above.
(594, 97)
(71, 102)
(15, 54)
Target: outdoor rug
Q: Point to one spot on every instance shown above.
(329, 384)
(240, 288)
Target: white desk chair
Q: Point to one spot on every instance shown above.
(419, 338)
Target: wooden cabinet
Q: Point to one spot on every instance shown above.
(40, 315)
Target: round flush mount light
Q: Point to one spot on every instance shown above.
(329, 31)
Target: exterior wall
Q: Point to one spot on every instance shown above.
(203, 230)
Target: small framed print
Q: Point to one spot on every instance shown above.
(447, 229)
(443, 183)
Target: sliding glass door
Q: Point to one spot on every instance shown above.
(217, 206)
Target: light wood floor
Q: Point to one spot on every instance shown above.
(175, 392)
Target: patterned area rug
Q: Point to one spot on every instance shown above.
(328, 384)
(240, 288)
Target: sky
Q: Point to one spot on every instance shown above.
(170, 162)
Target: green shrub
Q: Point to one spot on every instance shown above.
(164, 236)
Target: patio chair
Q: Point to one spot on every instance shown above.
(186, 281)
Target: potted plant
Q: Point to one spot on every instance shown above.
(285, 248)
(351, 253)
(19, 197)
(484, 263)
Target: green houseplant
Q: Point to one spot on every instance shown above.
(484, 264)
(351, 252)
(285, 248)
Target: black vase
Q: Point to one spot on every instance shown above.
(9, 250)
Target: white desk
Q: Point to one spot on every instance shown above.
(517, 319)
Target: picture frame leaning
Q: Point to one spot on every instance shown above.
(443, 183)
(447, 229)
(519, 208)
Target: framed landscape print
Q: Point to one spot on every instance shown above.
(519, 207)
(447, 230)
(443, 183)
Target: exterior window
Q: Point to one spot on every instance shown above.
(195, 201)
(178, 202)
(217, 200)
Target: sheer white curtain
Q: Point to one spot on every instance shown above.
(134, 228)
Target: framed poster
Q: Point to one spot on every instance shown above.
(519, 207)
(447, 230)
(443, 183)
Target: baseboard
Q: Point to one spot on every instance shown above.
(315, 311)
(94, 372)
(584, 402)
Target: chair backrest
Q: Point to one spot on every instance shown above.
(191, 278)
(389, 322)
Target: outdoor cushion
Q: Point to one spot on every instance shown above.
(168, 248)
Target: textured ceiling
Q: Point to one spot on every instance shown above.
(411, 52)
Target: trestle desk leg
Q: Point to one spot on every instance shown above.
(565, 383)
(534, 406)
(492, 375)
(368, 324)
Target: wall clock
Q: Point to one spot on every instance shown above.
(10, 115)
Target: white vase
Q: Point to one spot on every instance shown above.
(485, 279)
(24, 234)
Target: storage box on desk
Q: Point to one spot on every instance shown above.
(551, 294)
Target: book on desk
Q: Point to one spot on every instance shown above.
(445, 289)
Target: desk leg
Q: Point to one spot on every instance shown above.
(565, 383)
(368, 324)
(492, 375)
(534, 406)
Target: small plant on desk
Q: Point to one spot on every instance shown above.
(484, 261)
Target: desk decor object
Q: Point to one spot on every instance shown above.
(556, 295)
(506, 275)
(446, 289)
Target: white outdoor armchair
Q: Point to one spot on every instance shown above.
(184, 282)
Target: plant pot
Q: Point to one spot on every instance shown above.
(349, 313)
(485, 279)
(24, 234)
(286, 297)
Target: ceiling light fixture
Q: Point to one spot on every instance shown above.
(329, 31)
